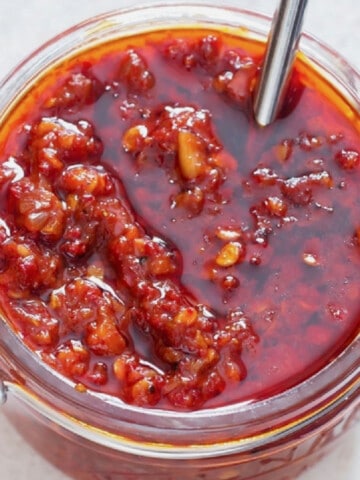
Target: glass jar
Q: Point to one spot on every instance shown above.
(90, 436)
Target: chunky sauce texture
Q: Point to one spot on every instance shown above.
(156, 245)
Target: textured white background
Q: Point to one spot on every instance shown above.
(24, 25)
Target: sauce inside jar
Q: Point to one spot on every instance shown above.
(157, 245)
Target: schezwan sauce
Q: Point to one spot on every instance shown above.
(157, 245)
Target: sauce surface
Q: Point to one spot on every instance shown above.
(158, 246)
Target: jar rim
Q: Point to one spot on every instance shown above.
(310, 399)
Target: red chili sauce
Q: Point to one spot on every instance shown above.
(157, 245)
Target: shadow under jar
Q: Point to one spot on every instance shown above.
(135, 187)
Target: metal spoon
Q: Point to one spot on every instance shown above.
(279, 59)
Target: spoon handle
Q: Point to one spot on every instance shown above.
(279, 58)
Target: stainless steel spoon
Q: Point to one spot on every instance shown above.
(279, 59)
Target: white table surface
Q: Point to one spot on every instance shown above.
(25, 25)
